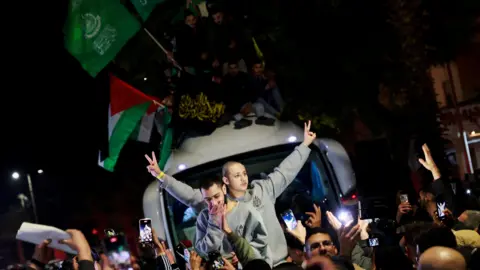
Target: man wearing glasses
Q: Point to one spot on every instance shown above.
(319, 242)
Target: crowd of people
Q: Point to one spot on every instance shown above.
(214, 56)
(237, 226)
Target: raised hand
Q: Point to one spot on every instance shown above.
(227, 265)
(299, 232)
(79, 243)
(216, 214)
(315, 219)
(195, 261)
(42, 252)
(404, 208)
(225, 227)
(308, 136)
(333, 220)
(234, 260)
(167, 252)
(429, 163)
(348, 238)
(152, 167)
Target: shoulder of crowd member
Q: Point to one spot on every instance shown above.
(414, 230)
(436, 236)
(467, 238)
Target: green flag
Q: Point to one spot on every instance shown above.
(145, 7)
(166, 146)
(96, 30)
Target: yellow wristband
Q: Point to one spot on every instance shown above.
(160, 175)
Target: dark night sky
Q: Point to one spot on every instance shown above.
(50, 107)
(54, 118)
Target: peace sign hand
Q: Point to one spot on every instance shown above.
(429, 163)
(153, 165)
(308, 136)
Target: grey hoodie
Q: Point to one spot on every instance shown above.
(261, 196)
(243, 221)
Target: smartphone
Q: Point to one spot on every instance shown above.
(218, 263)
(373, 242)
(403, 198)
(145, 227)
(109, 232)
(186, 255)
(185, 252)
(441, 206)
(289, 219)
(216, 260)
(345, 217)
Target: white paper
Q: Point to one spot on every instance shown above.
(36, 234)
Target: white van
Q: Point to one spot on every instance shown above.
(326, 176)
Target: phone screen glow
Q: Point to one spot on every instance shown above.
(289, 219)
(146, 230)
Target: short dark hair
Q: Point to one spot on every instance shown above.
(188, 12)
(391, 257)
(414, 230)
(436, 237)
(233, 62)
(257, 61)
(473, 219)
(209, 182)
(317, 230)
(226, 166)
(257, 264)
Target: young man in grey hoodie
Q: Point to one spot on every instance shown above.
(261, 195)
(241, 219)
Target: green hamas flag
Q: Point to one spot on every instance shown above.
(96, 30)
(145, 7)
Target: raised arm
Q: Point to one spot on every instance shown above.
(439, 188)
(179, 190)
(209, 235)
(285, 173)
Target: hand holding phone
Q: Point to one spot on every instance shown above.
(289, 219)
(441, 207)
(145, 228)
(373, 242)
(345, 217)
(403, 198)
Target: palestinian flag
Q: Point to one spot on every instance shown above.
(131, 115)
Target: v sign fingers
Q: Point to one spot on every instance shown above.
(154, 157)
(148, 159)
(429, 163)
(308, 136)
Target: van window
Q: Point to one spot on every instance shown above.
(311, 184)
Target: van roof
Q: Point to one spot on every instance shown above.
(227, 141)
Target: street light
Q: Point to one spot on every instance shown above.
(16, 176)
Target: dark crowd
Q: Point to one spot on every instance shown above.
(218, 58)
(237, 226)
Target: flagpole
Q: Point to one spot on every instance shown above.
(162, 48)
